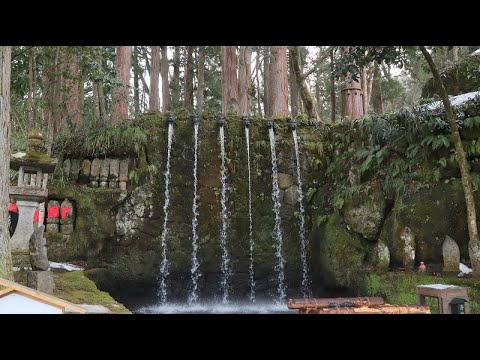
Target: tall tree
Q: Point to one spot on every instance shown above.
(165, 86)
(154, 99)
(292, 83)
(136, 82)
(31, 86)
(6, 269)
(257, 81)
(278, 97)
(364, 85)
(229, 80)
(71, 88)
(52, 82)
(123, 63)
(102, 110)
(244, 58)
(176, 78)
(266, 80)
(188, 77)
(376, 93)
(302, 86)
(333, 100)
(201, 78)
(474, 243)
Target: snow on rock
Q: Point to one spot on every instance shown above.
(65, 266)
(454, 100)
(437, 286)
(476, 52)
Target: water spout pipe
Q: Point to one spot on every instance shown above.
(195, 119)
(171, 118)
(269, 123)
(221, 120)
(246, 121)
(293, 125)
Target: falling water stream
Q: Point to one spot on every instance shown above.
(277, 231)
(164, 268)
(250, 223)
(225, 265)
(306, 291)
(195, 272)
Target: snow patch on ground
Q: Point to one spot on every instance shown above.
(65, 266)
(437, 286)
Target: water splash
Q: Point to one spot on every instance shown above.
(306, 291)
(277, 231)
(164, 268)
(195, 272)
(225, 265)
(250, 223)
(217, 308)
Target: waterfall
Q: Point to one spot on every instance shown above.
(195, 272)
(277, 231)
(306, 291)
(164, 271)
(225, 265)
(250, 223)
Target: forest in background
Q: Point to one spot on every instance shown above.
(57, 88)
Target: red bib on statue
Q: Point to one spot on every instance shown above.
(53, 211)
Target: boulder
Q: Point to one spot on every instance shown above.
(285, 180)
(451, 254)
(365, 214)
(41, 281)
(38, 249)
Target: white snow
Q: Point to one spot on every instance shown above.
(437, 286)
(64, 266)
(464, 268)
(476, 52)
(454, 100)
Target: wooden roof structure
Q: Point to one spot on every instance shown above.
(11, 287)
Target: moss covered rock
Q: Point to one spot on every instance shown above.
(365, 213)
(339, 254)
(431, 213)
(458, 79)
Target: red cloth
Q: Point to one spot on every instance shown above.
(65, 211)
(53, 211)
(36, 216)
(12, 207)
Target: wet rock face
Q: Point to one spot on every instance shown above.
(133, 212)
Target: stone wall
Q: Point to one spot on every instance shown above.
(127, 246)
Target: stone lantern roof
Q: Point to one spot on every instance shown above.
(35, 156)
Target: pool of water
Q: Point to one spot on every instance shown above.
(215, 308)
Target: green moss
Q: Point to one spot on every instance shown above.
(37, 157)
(339, 255)
(400, 288)
(458, 79)
(77, 288)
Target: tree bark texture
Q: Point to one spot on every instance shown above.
(278, 82)
(6, 269)
(154, 99)
(123, 64)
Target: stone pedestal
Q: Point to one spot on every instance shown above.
(41, 281)
(24, 231)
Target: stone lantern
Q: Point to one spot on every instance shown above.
(31, 189)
